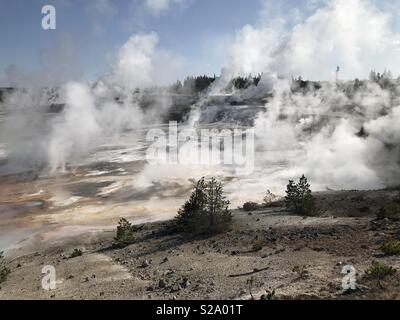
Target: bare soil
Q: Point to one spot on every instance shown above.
(258, 254)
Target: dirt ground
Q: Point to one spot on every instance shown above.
(258, 254)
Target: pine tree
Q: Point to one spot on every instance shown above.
(4, 271)
(125, 234)
(299, 198)
(206, 211)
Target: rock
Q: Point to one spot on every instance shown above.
(145, 264)
(242, 291)
(165, 260)
(169, 273)
(162, 284)
(185, 283)
(175, 288)
(151, 289)
(200, 287)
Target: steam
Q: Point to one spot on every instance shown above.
(341, 134)
(140, 64)
(92, 112)
(353, 34)
(77, 127)
(322, 126)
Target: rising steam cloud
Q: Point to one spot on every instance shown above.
(353, 34)
(323, 125)
(92, 112)
(342, 135)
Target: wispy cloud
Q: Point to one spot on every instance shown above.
(157, 6)
(103, 7)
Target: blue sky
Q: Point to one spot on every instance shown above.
(92, 33)
(89, 31)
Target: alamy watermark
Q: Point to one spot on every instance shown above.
(229, 148)
(49, 280)
(49, 20)
(349, 280)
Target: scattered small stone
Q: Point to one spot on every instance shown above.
(145, 264)
(242, 291)
(185, 283)
(165, 260)
(162, 284)
(175, 288)
(200, 287)
(169, 273)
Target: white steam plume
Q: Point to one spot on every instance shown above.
(353, 34)
(92, 112)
